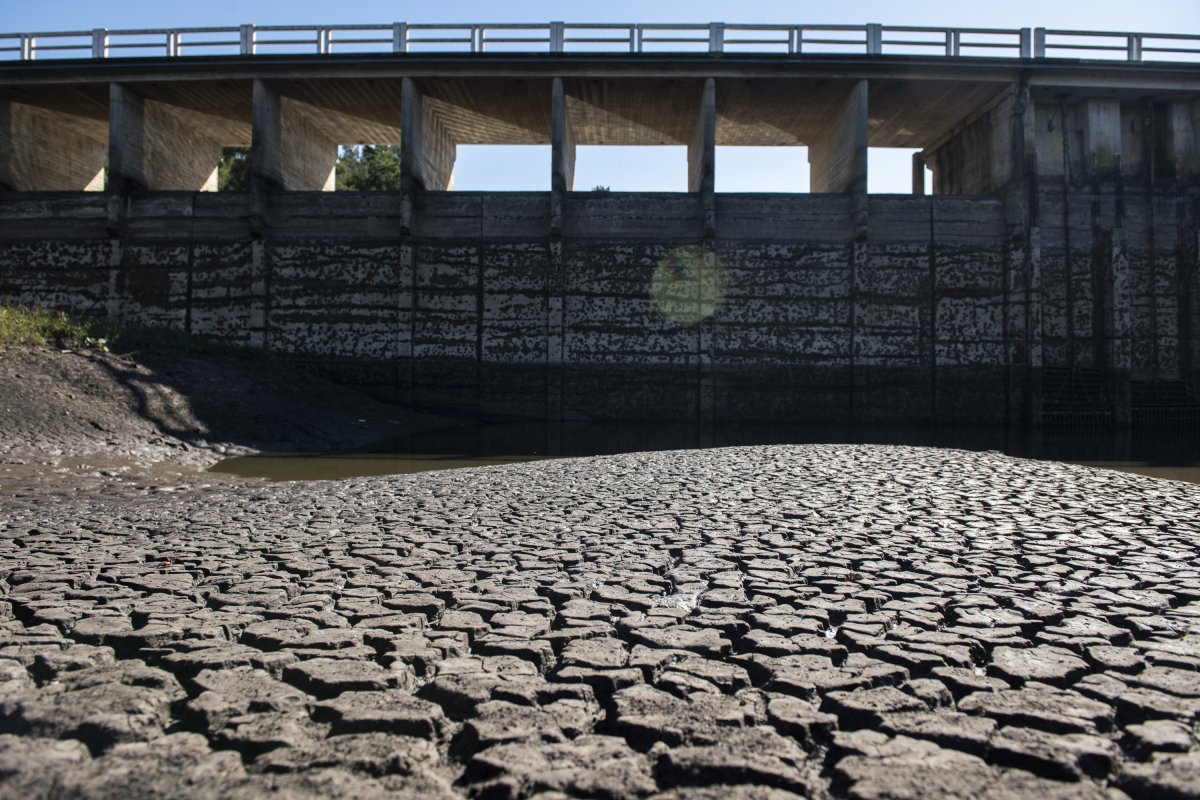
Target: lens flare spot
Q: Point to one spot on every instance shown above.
(688, 284)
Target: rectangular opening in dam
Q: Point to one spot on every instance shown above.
(631, 168)
(762, 169)
(233, 171)
(368, 168)
(502, 168)
(890, 171)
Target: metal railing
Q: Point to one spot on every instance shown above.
(561, 37)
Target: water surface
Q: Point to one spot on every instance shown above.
(1160, 454)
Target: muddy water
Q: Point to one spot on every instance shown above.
(1161, 454)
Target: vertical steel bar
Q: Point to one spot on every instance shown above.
(874, 38)
(716, 37)
(1133, 47)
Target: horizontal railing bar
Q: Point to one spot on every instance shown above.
(656, 37)
(1054, 46)
(917, 29)
(1122, 35)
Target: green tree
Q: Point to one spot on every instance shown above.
(233, 173)
(360, 168)
(369, 168)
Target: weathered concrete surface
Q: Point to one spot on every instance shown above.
(813, 307)
(842, 621)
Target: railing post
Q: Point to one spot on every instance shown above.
(557, 37)
(949, 34)
(246, 40)
(99, 43)
(322, 41)
(399, 37)
(28, 46)
(956, 40)
(1026, 42)
(716, 37)
(635, 41)
(173, 44)
(874, 39)
(1039, 42)
(1133, 47)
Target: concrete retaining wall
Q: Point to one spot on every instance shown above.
(939, 309)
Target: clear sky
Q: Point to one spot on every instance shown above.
(738, 169)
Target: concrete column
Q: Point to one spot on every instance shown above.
(918, 174)
(976, 158)
(289, 150)
(838, 156)
(1101, 137)
(1183, 138)
(154, 145)
(562, 154)
(702, 150)
(426, 149)
(44, 150)
(702, 156)
(562, 141)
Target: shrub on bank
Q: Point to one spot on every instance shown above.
(24, 326)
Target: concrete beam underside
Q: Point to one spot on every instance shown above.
(838, 155)
(289, 149)
(977, 156)
(47, 150)
(427, 151)
(153, 145)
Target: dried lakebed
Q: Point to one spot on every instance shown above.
(761, 622)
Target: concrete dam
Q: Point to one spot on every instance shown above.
(1051, 275)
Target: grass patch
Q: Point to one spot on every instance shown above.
(38, 326)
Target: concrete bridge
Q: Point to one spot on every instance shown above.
(1052, 274)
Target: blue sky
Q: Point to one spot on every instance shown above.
(738, 169)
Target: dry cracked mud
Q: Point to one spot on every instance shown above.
(770, 622)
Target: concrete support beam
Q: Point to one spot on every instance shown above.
(702, 157)
(426, 149)
(562, 141)
(977, 156)
(1101, 136)
(702, 149)
(918, 174)
(838, 155)
(154, 145)
(562, 154)
(1183, 138)
(44, 150)
(289, 149)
